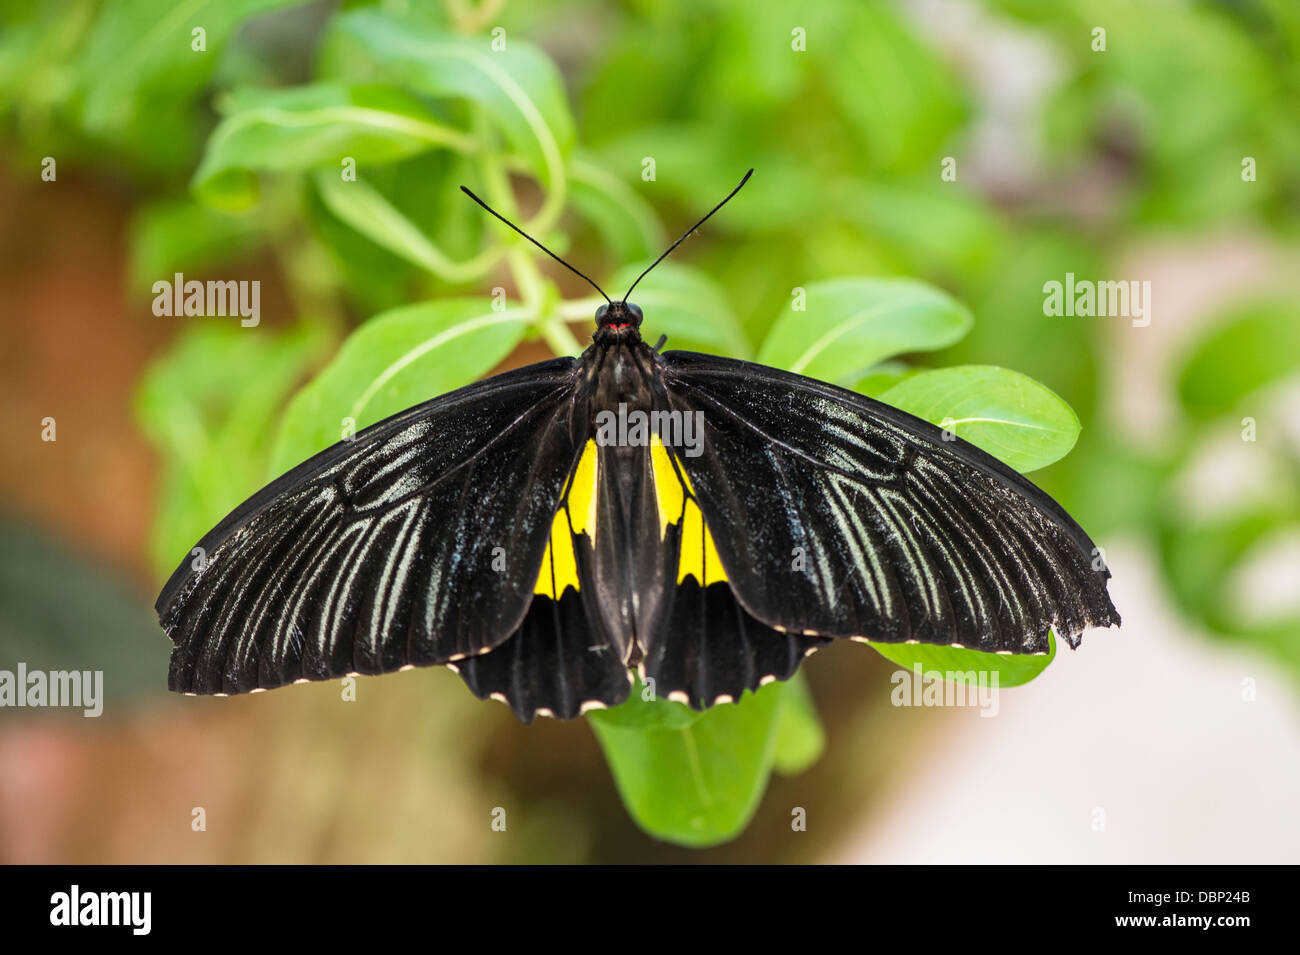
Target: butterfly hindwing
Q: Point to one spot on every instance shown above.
(559, 662)
(385, 550)
(841, 516)
(707, 648)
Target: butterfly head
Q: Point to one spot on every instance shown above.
(619, 316)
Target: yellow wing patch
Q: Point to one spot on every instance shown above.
(577, 507)
(699, 555)
(581, 496)
(559, 565)
(669, 492)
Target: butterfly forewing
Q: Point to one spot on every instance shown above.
(417, 542)
(839, 516)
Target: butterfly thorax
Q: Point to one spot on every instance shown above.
(628, 558)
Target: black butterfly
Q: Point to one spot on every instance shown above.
(708, 521)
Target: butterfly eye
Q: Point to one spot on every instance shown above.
(600, 312)
(636, 312)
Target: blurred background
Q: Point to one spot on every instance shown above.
(1165, 148)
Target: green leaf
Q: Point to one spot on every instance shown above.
(628, 226)
(374, 278)
(882, 377)
(519, 87)
(1012, 417)
(687, 306)
(966, 665)
(307, 127)
(640, 712)
(1253, 348)
(366, 209)
(697, 785)
(397, 359)
(850, 324)
(800, 738)
(140, 56)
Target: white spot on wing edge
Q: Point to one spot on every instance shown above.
(764, 681)
(679, 696)
(406, 666)
(588, 705)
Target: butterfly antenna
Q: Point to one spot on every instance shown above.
(538, 244)
(689, 231)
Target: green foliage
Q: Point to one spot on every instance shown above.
(1008, 414)
(519, 87)
(1228, 385)
(173, 235)
(847, 325)
(1248, 351)
(307, 127)
(695, 783)
(966, 665)
(696, 778)
(396, 360)
(800, 736)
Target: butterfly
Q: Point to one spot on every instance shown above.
(702, 521)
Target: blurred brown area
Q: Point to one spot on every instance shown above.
(414, 768)
(73, 352)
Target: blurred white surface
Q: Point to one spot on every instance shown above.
(1144, 728)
